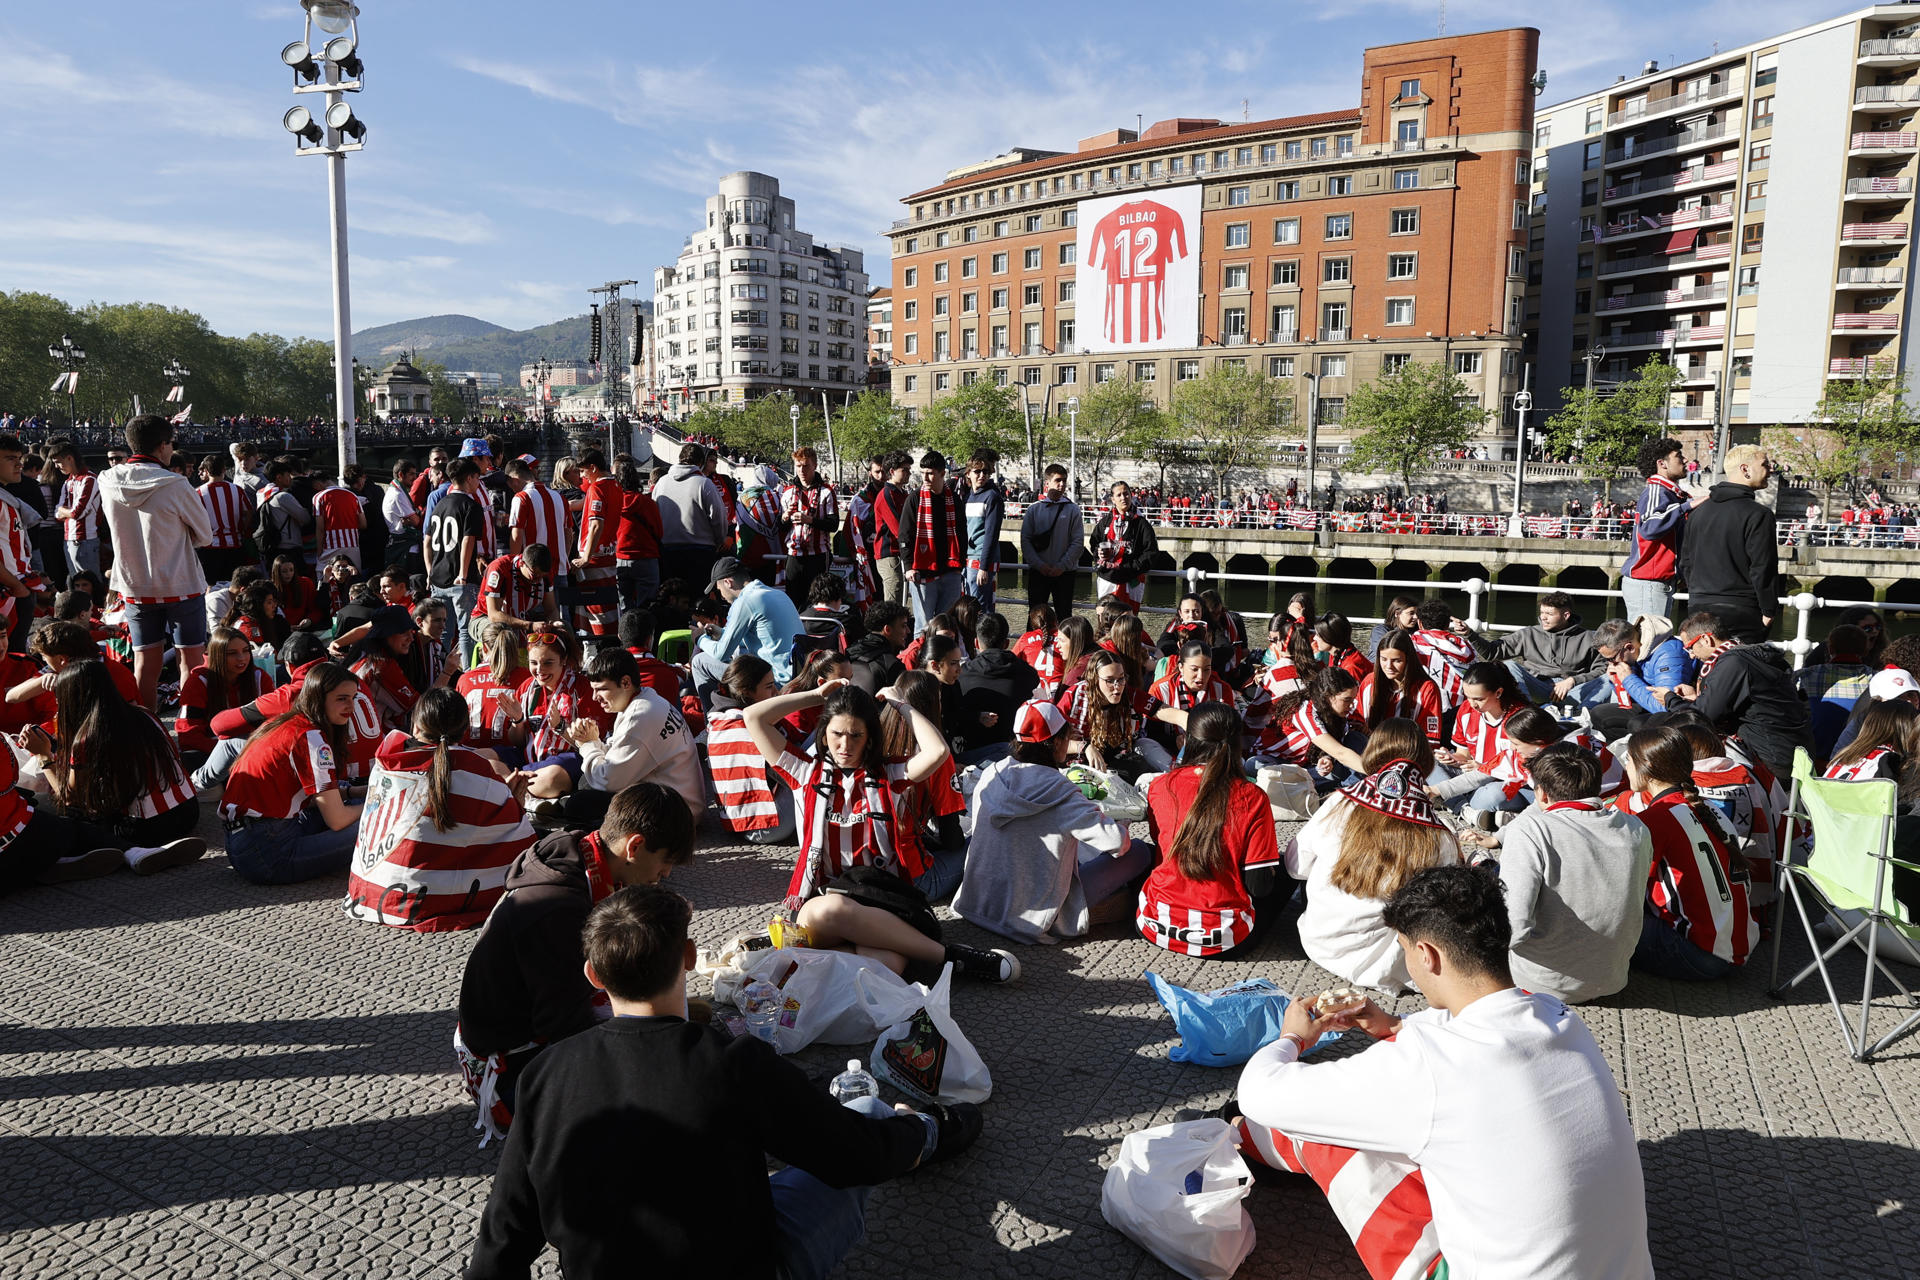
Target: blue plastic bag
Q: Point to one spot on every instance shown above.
(1226, 1027)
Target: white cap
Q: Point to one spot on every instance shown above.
(1890, 684)
(853, 1064)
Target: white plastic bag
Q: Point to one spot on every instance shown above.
(1123, 802)
(1289, 791)
(922, 1051)
(1176, 1191)
(822, 999)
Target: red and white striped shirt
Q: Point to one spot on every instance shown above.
(338, 508)
(540, 515)
(519, 596)
(276, 774)
(1203, 917)
(1446, 657)
(1036, 649)
(482, 692)
(847, 819)
(1169, 691)
(1865, 769)
(167, 787)
(739, 774)
(1697, 885)
(572, 700)
(1298, 731)
(15, 555)
(80, 494)
(800, 505)
(1478, 736)
(1423, 711)
(226, 504)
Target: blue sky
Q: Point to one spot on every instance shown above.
(519, 153)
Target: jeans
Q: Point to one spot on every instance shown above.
(816, 1225)
(459, 600)
(289, 850)
(942, 876)
(1538, 690)
(892, 579)
(1493, 797)
(1102, 876)
(219, 763)
(639, 582)
(1591, 693)
(935, 597)
(982, 592)
(708, 674)
(83, 554)
(1646, 598)
(1666, 952)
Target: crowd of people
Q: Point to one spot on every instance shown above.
(477, 697)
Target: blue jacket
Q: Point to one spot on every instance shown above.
(1660, 518)
(763, 622)
(1667, 667)
(984, 509)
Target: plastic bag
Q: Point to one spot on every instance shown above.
(1226, 1027)
(922, 1052)
(822, 1001)
(1289, 791)
(1115, 796)
(1176, 1190)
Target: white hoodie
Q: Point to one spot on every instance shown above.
(157, 519)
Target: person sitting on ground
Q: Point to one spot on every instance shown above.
(1489, 796)
(1902, 659)
(755, 806)
(1128, 638)
(993, 683)
(1189, 623)
(1442, 642)
(523, 989)
(441, 828)
(1296, 620)
(302, 651)
(1493, 1107)
(1698, 924)
(1287, 660)
(1575, 870)
(1402, 615)
(708, 1110)
(338, 577)
(57, 644)
(875, 656)
(828, 617)
(1889, 737)
(940, 624)
(1634, 685)
(116, 778)
(220, 595)
(377, 660)
(647, 741)
(942, 656)
(1362, 845)
(1189, 681)
(1219, 862)
(1312, 727)
(760, 620)
(285, 806)
(554, 696)
(491, 692)
(1230, 649)
(1489, 695)
(1399, 688)
(1035, 647)
(1746, 689)
(256, 614)
(1549, 659)
(929, 828)
(1042, 855)
(820, 667)
(850, 818)
(228, 678)
(1108, 715)
(299, 598)
(1332, 646)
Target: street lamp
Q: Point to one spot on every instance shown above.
(1522, 401)
(542, 375)
(337, 70)
(69, 357)
(177, 374)
(1313, 428)
(793, 416)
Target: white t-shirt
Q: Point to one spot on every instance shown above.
(1512, 1115)
(649, 742)
(395, 508)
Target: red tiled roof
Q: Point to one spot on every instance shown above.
(1172, 142)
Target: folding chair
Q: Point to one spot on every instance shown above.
(1850, 870)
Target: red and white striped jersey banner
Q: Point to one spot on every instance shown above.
(1546, 526)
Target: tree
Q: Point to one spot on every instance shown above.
(1602, 430)
(980, 416)
(1230, 417)
(1117, 419)
(1854, 420)
(1406, 417)
(761, 429)
(446, 402)
(870, 426)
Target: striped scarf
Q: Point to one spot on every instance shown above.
(1714, 657)
(923, 539)
(859, 513)
(847, 821)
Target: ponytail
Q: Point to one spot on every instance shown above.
(440, 718)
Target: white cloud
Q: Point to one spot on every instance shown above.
(385, 213)
(39, 82)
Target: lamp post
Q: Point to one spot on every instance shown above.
(542, 375)
(793, 416)
(1073, 443)
(177, 374)
(1313, 430)
(69, 357)
(335, 72)
(1522, 401)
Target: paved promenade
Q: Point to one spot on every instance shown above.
(199, 1077)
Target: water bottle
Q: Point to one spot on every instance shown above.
(760, 1002)
(853, 1083)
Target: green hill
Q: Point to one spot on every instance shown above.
(428, 333)
(484, 347)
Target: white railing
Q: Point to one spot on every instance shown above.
(1890, 48)
(1655, 146)
(1673, 181)
(1872, 275)
(1884, 141)
(1866, 320)
(1873, 231)
(1652, 106)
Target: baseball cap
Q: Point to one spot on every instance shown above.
(1038, 721)
(726, 567)
(475, 447)
(529, 459)
(1892, 683)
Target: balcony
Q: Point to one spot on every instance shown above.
(1699, 333)
(1860, 366)
(1869, 277)
(1664, 261)
(1884, 95)
(1872, 232)
(1887, 53)
(1673, 142)
(1690, 413)
(1675, 100)
(1664, 298)
(1879, 188)
(1685, 180)
(1855, 321)
(1335, 333)
(1871, 143)
(1409, 144)
(1648, 224)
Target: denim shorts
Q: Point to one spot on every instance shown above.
(568, 760)
(149, 626)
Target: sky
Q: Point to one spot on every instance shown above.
(517, 154)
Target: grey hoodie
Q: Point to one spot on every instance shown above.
(157, 519)
(1567, 650)
(1575, 878)
(1029, 825)
(692, 512)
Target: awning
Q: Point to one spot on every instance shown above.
(1681, 241)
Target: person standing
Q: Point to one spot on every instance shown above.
(401, 516)
(986, 507)
(889, 498)
(932, 514)
(1051, 531)
(456, 543)
(17, 576)
(693, 518)
(1660, 520)
(599, 530)
(230, 512)
(156, 520)
(79, 509)
(537, 514)
(1123, 548)
(1731, 557)
(811, 512)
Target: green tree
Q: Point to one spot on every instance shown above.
(871, 425)
(1602, 430)
(761, 428)
(980, 416)
(1117, 420)
(1404, 418)
(1230, 416)
(1855, 420)
(447, 401)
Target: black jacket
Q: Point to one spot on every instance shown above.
(875, 662)
(994, 680)
(1751, 692)
(523, 980)
(1730, 554)
(632, 1145)
(1138, 547)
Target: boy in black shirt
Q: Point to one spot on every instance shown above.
(638, 1141)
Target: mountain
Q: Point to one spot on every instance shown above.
(464, 343)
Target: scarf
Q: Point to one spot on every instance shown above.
(1714, 657)
(859, 514)
(1396, 790)
(923, 538)
(1115, 542)
(593, 859)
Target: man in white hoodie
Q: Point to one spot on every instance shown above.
(157, 520)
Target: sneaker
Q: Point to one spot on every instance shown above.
(86, 866)
(983, 966)
(1503, 817)
(175, 853)
(1483, 819)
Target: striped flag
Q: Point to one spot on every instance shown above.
(66, 382)
(1303, 519)
(184, 416)
(408, 873)
(176, 395)
(1545, 526)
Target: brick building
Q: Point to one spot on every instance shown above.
(1329, 246)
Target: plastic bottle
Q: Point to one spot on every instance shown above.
(760, 1002)
(853, 1083)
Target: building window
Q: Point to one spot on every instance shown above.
(940, 305)
(1403, 266)
(999, 264)
(1239, 195)
(1399, 310)
(1063, 335)
(1583, 266)
(1103, 373)
(969, 234)
(1279, 366)
(1219, 159)
(1145, 371)
(1393, 362)
(999, 300)
(1406, 179)
(1030, 295)
(1269, 153)
(1286, 190)
(939, 273)
(1759, 155)
(999, 340)
(1153, 168)
(1066, 291)
(969, 303)
(1066, 375)
(913, 344)
(1030, 338)
(940, 240)
(1333, 366)
(1243, 155)
(1177, 164)
(1030, 260)
(911, 275)
(1404, 222)
(1763, 112)
(1752, 236)
(1234, 276)
(942, 381)
(1286, 271)
(1033, 222)
(1291, 149)
(1756, 196)
(1409, 89)
(1133, 173)
(1339, 226)
(1317, 148)
(1239, 235)
(1068, 217)
(1522, 171)
(1340, 186)
(912, 245)
(1030, 375)
(1186, 370)
(1234, 327)
(1333, 321)
(1067, 252)
(1749, 282)
(1286, 231)
(1000, 227)
(910, 383)
(1331, 410)
(1542, 136)
(1467, 362)
(969, 268)
(1281, 325)
(1344, 144)
(1590, 155)
(1336, 271)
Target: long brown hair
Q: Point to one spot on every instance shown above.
(1385, 691)
(1319, 689)
(1109, 723)
(311, 702)
(921, 691)
(1663, 759)
(223, 693)
(1213, 745)
(1892, 724)
(440, 720)
(1378, 852)
(108, 747)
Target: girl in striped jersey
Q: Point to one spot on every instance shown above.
(1699, 924)
(1039, 650)
(1109, 715)
(1489, 696)
(1288, 660)
(848, 794)
(1505, 786)
(491, 692)
(1401, 689)
(553, 697)
(1310, 728)
(755, 807)
(1332, 646)
(1218, 855)
(1444, 649)
(1889, 736)
(1188, 683)
(116, 775)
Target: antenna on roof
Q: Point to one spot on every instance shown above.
(1137, 122)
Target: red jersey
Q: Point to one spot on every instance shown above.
(363, 726)
(1203, 917)
(16, 669)
(482, 692)
(278, 773)
(927, 801)
(572, 700)
(393, 693)
(1446, 657)
(847, 819)
(16, 810)
(540, 515)
(227, 506)
(1036, 649)
(1134, 245)
(299, 601)
(640, 528)
(1872, 765)
(1697, 885)
(603, 498)
(1478, 736)
(519, 596)
(1298, 732)
(194, 727)
(338, 508)
(80, 494)
(1168, 691)
(739, 774)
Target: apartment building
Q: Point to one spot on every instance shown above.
(753, 306)
(1319, 248)
(1656, 199)
(560, 373)
(879, 336)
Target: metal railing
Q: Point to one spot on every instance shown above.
(1866, 320)
(1667, 337)
(1674, 181)
(1904, 141)
(1672, 142)
(1648, 223)
(1872, 275)
(1673, 101)
(1868, 94)
(1668, 297)
(1879, 186)
(1873, 231)
(1664, 261)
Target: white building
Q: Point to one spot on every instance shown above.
(754, 307)
(880, 336)
(1652, 222)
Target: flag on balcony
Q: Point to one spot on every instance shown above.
(1545, 526)
(1303, 520)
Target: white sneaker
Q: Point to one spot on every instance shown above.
(175, 853)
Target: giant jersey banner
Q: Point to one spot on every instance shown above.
(1137, 285)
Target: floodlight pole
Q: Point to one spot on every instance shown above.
(344, 390)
